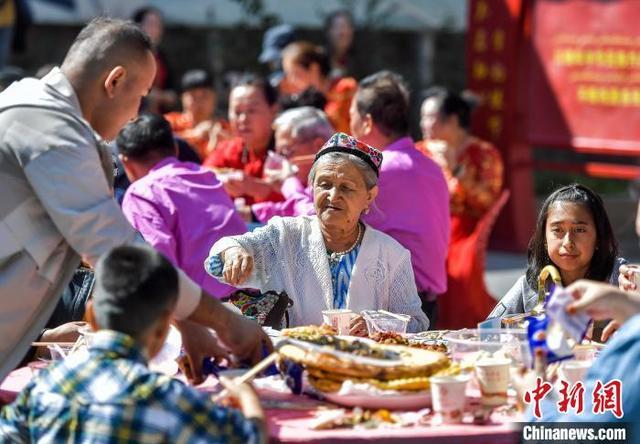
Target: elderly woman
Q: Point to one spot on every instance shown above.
(332, 260)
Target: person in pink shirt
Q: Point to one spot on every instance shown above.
(299, 132)
(180, 208)
(413, 203)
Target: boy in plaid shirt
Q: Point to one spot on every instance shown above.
(110, 395)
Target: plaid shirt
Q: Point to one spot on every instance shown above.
(110, 396)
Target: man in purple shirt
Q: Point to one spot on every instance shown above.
(180, 208)
(412, 205)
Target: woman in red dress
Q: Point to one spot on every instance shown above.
(307, 66)
(252, 108)
(474, 172)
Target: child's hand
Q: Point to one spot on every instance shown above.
(246, 396)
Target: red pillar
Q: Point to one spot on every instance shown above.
(498, 42)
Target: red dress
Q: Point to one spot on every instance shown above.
(338, 102)
(183, 123)
(475, 184)
(232, 154)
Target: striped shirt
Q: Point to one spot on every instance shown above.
(109, 395)
(341, 277)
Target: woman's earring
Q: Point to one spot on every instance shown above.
(366, 210)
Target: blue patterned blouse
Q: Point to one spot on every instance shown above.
(341, 271)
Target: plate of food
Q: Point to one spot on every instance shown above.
(433, 342)
(356, 372)
(366, 396)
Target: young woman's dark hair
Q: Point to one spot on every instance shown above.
(251, 79)
(306, 54)
(606, 248)
(454, 104)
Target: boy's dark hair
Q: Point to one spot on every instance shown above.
(606, 249)
(148, 135)
(196, 78)
(454, 104)
(385, 96)
(252, 79)
(135, 286)
(104, 42)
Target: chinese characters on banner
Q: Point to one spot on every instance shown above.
(495, 48)
(585, 78)
(605, 397)
(493, 25)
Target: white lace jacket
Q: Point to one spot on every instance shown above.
(290, 255)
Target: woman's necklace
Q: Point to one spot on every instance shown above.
(335, 256)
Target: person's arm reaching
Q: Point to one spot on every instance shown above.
(603, 301)
(242, 336)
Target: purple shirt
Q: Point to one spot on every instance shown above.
(182, 209)
(412, 206)
(298, 202)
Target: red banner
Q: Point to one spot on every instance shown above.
(495, 41)
(491, 45)
(584, 88)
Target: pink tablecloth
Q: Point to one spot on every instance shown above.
(293, 425)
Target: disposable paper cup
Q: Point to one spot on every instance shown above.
(573, 371)
(493, 379)
(584, 352)
(448, 397)
(338, 319)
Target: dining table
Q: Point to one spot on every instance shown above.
(292, 419)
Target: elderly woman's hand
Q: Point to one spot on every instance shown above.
(238, 264)
(626, 280)
(358, 327)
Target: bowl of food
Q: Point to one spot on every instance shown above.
(470, 345)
